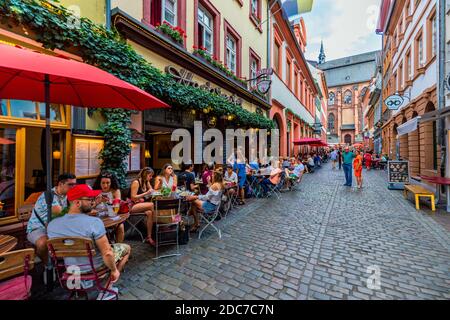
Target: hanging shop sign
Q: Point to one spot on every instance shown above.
(394, 102)
(262, 82)
(186, 77)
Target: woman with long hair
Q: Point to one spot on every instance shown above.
(207, 176)
(107, 182)
(139, 190)
(207, 203)
(167, 179)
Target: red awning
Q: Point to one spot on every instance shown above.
(313, 142)
(383, 17)
(23, 72)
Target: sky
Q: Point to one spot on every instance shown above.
(347, 27)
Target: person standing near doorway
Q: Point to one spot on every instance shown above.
(347, 159)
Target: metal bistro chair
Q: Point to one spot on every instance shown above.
(274, 189)
(12, 264)
(66, 247)
(209, 218)
(167, 218)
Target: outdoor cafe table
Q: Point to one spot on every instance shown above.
(113, 222)
(7, 243)
(439, 181)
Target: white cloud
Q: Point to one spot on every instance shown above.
(343, 25)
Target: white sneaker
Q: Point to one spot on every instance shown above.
(105, 295)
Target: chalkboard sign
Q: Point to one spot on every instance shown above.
(398, 172)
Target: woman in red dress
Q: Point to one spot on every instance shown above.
(358, 166)
(368, 160)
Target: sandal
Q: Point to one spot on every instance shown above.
(150, 241)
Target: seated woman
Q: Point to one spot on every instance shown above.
(167, 179)
(207, 203)
(207, 176)
(274, 179)
(109, 185)
(139, 190)
(231, 179)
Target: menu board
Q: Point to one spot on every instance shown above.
(398, 171)
(86, 157)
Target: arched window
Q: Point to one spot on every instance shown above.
(331, 120)
(331, 99)
(348, 97)
(348, 139)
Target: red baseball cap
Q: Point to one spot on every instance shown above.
(82, 191)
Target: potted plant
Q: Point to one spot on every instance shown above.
(176, 34)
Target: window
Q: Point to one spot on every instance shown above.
(255, 8)
(419, 55)
(400, 77)
(133, 160)
(348, 139)
(289, 73)
(169, 11)
(31, 110)
(296, 83)
(86, 156)
(408, 9)
(348, 97)
(233, 49)
(331, 99)
(205, 30)
(432, 36)
(408, 68)
(331, 120)
(255, 66)
(276, 57)
(395, 82)
(231, 53)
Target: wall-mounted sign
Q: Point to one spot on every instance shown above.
(394, 102)
(186, 77)
(262, 82)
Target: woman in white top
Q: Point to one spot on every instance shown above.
(167, 179)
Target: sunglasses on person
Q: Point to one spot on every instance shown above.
(88, 199)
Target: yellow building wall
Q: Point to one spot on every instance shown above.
(92, 9)
(134, 8)
(348, 116)
(160, 62)
(236, 16)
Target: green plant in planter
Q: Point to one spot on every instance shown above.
(176, 33)
(165, 192)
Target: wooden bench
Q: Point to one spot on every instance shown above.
(419, 192)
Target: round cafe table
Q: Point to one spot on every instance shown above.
(439, 181)
(113, 222)
(7, 243)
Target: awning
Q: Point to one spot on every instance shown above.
(435, 115)
(408, 127)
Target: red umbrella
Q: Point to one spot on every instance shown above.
(28, 75)
(23, 76)
(6, 141)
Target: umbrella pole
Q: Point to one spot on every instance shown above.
(49, 197)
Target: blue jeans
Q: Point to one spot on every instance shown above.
(348, 174)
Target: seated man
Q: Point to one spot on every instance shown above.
(317, 161)
(296, 175)
(231, 180)
(36, 229)
(77, 223)
(187, 178)
(275, 178)
(310, 164)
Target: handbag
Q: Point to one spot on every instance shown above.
(125, 206)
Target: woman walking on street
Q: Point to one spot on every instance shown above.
(358, 166)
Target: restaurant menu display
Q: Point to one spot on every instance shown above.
(86, 157)
(398, 171)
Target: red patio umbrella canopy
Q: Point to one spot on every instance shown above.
(307, 142)
(23, 72)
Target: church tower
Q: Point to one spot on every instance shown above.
(322, 54)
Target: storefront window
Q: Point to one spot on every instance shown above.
(55, 112)
(3, 108)
(23, 109)
(7, 172)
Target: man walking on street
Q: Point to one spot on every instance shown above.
(339, 154)
(347, 158)
(333, 157)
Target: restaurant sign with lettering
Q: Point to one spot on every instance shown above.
(186, 77)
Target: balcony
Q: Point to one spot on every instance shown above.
(348, 127)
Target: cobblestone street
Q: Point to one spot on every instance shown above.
(317, 243)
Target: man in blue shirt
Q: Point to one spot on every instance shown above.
(347, 158)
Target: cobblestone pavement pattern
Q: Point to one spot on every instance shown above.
(322, 242)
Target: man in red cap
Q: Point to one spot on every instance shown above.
(77, 223)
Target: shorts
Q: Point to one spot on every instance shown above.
(293, 177)
(208, 207)
(120, 250)
(242, 181)
(36, 234)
